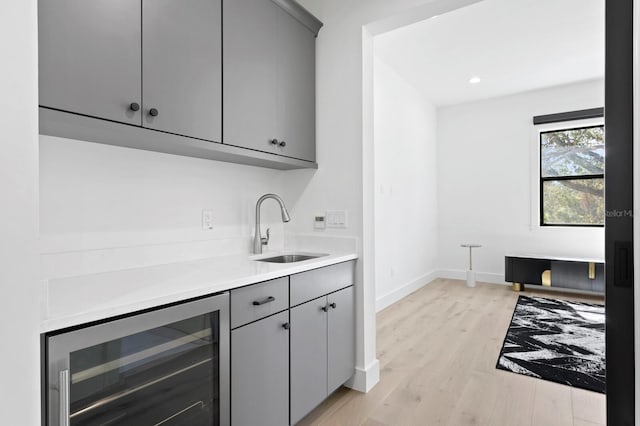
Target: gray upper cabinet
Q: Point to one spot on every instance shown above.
(89, 54)
(250, 70)
(157, 65)
(297, 89)
(151, 63)
(182, 69)
(269, 77)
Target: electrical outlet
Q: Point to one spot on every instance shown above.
(207, 220)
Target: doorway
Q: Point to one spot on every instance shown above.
(618, 241)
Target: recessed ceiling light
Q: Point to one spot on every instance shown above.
(474, 80)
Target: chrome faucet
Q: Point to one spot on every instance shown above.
(258, 239)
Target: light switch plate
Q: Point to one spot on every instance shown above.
(337, 219)
(207, 220)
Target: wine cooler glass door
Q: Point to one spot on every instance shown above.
(165, 367)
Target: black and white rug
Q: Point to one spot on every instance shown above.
(556, 340)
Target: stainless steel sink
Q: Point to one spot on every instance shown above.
(289, 258)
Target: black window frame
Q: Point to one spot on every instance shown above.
(542, 179)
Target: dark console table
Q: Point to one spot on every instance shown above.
(576, 274)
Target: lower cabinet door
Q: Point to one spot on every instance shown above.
(260, 372)
(341, 359)
(308, 357)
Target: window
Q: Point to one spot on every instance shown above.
(572, 177)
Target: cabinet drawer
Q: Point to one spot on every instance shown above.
(318, 282)
(257, 301)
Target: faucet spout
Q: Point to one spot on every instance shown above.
(258, 239)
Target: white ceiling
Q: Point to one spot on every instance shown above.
(512, 45)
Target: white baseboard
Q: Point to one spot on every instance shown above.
(483, 277)
(365, 379)
(397, 294)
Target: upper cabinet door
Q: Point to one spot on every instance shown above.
(181, 67)
(250, 58)
(297, 88)
(269, 78)
(89, 53)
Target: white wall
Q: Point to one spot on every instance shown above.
(406, 219)
(19, 304)
(485, 181)
(344, 88)
(105, 208)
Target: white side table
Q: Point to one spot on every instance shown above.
(471, 276)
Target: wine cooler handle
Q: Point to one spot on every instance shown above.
(64, 398)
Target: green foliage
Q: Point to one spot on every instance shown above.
(564, 204)
(572, 152)
(575, 152)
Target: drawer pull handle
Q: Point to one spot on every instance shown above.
(333, 305)
(263, 301)
(286, 326)
(324, 308)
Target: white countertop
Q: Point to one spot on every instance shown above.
(565, 258)
(79, 300)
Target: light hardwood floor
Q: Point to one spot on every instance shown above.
(438, 349)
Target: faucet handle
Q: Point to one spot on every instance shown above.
(264, 240)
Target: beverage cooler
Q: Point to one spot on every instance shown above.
(167, 367)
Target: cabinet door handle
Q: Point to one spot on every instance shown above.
(333, 305)
(274, 141)
(283, 144)
(134, 106)
(286, 326)
(64, 397)
(324, 308)
(153, 112)
(263, 301)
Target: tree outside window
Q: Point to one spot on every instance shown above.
(572, 177)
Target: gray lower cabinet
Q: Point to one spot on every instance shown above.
(90, 57)
(269, 77)
(322, 349)
(341, 334)
(308, 357)
(260, 372)
(292, 344)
